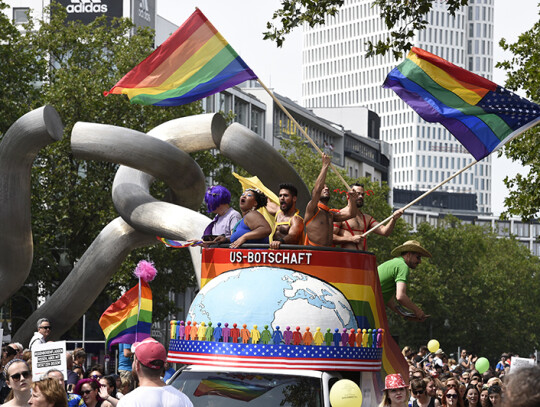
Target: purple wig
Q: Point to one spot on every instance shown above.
(215, 196)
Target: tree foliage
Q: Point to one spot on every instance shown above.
(523, 72)
(476, 287)
(403, 18)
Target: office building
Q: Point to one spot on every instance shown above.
(337, 74)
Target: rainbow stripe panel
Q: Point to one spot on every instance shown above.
(353, 273)
(482, 115)
(122, 322)
(194, 62)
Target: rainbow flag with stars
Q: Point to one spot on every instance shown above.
(194, 62)
(482, 115)
(129, 319)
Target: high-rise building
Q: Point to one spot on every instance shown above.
(336, 73)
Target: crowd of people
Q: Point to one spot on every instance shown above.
(140, 382)
(436, 380)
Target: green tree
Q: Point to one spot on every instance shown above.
(403, 18)
(19, 73)
(476, 287)
(523, 72)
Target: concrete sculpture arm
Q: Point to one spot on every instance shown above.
(18, 149)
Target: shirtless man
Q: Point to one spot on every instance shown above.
(289, 224)
(320, 218)
(347, 233)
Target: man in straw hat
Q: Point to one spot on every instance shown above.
(394, 277)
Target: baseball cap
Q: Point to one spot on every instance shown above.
(150, 353)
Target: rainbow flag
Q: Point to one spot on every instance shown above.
(129, 319)
(482, 115)
(194, 62)
(230, 388)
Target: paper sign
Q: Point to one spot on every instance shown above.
(517, 363)
(47, 356)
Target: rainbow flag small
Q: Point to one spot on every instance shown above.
(482, 115)
(195, 62)
(129, 319)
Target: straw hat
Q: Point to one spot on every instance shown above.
(411, 246)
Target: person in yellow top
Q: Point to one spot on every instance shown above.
(289, 226)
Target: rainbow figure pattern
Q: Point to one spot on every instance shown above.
(288, 349)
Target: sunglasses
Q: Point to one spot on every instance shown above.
(86, 392)
(451, 396)
(418, 392)
(45, 327)
(96, 376)
(17, 376)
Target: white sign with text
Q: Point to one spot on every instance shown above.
(47, 356)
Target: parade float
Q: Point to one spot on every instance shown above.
(264, 319)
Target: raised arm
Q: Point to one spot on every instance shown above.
(350, 211)
(317, 189)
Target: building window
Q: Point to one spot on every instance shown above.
(20, 15)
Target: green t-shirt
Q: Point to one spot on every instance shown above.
(390, 273)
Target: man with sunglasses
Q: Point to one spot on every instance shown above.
(43, 332)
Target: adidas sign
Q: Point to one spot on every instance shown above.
(92, 6)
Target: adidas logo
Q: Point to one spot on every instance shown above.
(86, 6)
(143, 10)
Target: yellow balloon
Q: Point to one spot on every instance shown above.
(345, 393)
(433, 345)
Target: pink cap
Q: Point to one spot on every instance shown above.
(149, 352)
(394, 381)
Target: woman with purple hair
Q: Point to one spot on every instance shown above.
(218, 199)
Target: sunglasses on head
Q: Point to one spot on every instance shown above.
(418, 392)
(86, 392)
(451, 396)
(17, 376)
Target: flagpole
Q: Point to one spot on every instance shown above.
(138, 313)
(302, 131)
(422, 196)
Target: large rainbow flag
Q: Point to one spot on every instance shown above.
(129, 319)
(482, 115)
(194, 62)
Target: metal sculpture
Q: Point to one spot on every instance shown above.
(161, 154)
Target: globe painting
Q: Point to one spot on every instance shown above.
(274, 297)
